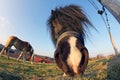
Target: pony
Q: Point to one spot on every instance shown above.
(23, 46)
(67, 26)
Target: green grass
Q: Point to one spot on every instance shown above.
(97, 70)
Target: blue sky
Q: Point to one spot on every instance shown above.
(27, 19)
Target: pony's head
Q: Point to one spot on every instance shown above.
(31, 50)
(68, 29)
(68, 18)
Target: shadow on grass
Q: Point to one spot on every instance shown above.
(113, 69)
(8, 76)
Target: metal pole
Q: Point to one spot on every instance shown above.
(113, 43)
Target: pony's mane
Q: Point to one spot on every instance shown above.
(71, 18)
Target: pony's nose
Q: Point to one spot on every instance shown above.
(75, 69)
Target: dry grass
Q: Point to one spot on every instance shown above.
(101, 69)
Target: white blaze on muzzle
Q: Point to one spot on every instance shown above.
(75, 56)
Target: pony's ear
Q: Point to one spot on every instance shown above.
(52, 11)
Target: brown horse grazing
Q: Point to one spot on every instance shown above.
(23, 46)
(68, 29)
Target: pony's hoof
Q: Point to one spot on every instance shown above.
(31, 62)
(17, 59)
(0, 55)
(64, 75)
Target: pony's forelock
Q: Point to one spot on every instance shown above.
(71, 18)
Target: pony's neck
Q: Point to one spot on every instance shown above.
(65, 34)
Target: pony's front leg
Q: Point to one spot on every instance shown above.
(7, 52)
(31, 58)
(24, 57)
(20, 55)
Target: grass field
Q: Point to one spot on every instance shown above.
(102, 69)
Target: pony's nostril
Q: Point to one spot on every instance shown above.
(75, 69)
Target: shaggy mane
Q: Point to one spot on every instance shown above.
(71, 18)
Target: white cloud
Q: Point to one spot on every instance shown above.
(4, 22)
(6, 29)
